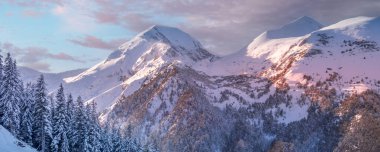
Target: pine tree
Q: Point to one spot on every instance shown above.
(94, 130)
(1, 74)
(42, 123)
(60, 142)
(106, 139)
(1, 78)
(129, 144)
(80, 138)
(10, 97)
(25, 133)
(116, 141)
(152, 148)
(52, 111)
(135, 146)
(70, 121)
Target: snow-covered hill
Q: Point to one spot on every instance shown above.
(8, 143)
(52, 79)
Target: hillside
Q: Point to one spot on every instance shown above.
(8, 143)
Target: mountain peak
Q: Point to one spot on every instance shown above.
(358, 27)
(305, 19)
(172, 36)
(299, 27)
(162, 41)
(296, 28)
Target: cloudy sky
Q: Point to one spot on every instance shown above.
(59, 35)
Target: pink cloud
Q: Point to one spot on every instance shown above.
(35, 3)
(94, 42)
(103, 17)
(33, 56)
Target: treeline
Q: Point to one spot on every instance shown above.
(56, 123)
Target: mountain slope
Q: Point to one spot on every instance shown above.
(53, 79)
(134, 61)
(344, 47)
(8, 143)
(302, 87)
(254, 57)
(345, 53)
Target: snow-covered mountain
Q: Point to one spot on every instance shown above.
(302, 87)
(344, 48)
(9, 143)
(299, 27)
(126, 68)
(53, 79)
(266, 90)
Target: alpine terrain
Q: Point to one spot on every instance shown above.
(301, 87)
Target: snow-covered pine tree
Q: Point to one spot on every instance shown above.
(27, 106)
(1, 83)
(70, 121)
(42, 123)
(19, 92)
(116, 141)
(10, 97)
(135, 146)
(106, 139)
(147, 148)
(129, 144)
(152, 148)
(60, 142)
(1, 77)
(81, 140)
(52, 111)
(94, 129)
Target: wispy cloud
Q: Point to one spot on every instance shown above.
(33, 56)
(94, 42)
(222, 25)
(35, 3)
(225, 25)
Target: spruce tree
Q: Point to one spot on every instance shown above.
(116, 140)
(25, 133)
(1, 79)
(1, 66)
(70, 121)
(10, 97)
(106, 139)
(52, 111)
(42, 123)
(94, 129)
(60, 142)
(81, 140)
